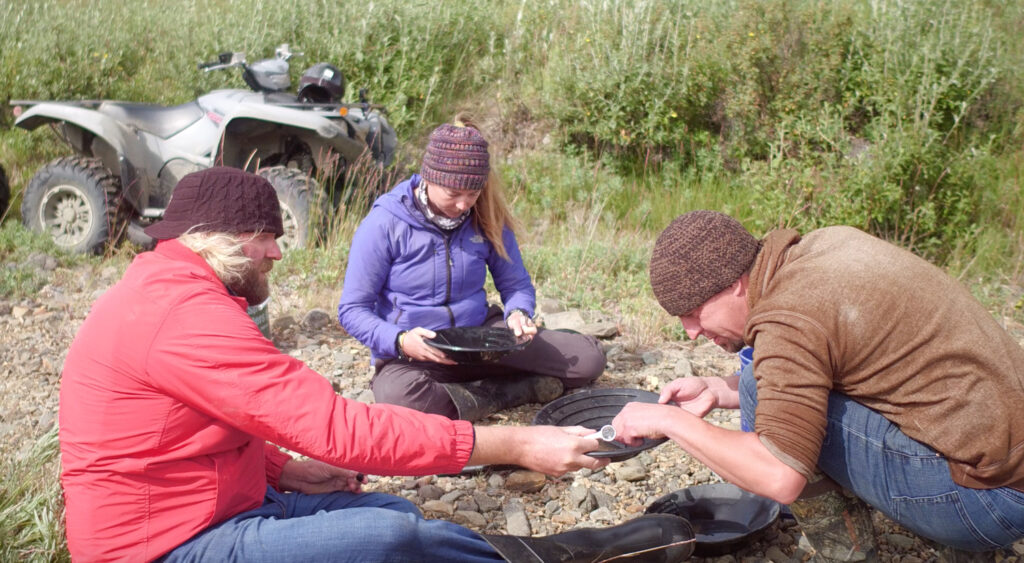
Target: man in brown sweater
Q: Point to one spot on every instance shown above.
(871, 366)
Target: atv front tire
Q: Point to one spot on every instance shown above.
(5, 193)
(74, 200)
(299, 196)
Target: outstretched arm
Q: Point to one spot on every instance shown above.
(738, 457)
(548, 449)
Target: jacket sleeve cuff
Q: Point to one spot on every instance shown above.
(465, 442)
(274, 460)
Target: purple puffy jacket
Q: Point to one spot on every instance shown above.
(404, 272)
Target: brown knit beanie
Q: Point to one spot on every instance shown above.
(222, 200)
(698, 255)
(456, 158)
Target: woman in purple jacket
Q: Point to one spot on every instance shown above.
(418, 263)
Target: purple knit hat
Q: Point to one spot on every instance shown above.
(223, 200)
(456, 158)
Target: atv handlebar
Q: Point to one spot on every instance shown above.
(229, 59)
(224, 60)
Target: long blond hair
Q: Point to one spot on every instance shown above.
(222, 251)
(491, 211)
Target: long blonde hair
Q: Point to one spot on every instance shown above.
(491, 211)
(222, 251)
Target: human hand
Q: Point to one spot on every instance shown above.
(691, 393)
(521, 325)
(312, 477)
(551, 450)
(415, 348)
(637, 421)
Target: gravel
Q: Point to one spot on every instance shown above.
(35, 334)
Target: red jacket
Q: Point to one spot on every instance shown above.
(168, 397)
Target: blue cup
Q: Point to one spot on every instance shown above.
(746, 356)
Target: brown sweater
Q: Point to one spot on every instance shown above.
(840, 309)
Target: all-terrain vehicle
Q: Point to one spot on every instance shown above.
(5, 192)
(129, 156)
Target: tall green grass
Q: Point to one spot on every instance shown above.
(31, 508)
(902, 118)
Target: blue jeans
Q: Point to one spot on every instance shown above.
(905, 479)
(342, 526)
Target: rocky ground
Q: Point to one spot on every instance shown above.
(35, 334)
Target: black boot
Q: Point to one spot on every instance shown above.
(477, 399)
(654, 538)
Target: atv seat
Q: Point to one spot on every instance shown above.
(161, 121)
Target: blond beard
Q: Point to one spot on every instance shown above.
(253, 287)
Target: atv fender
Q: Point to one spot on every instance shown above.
(82, 127)
(320, 133)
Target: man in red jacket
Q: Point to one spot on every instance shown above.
(171, 399)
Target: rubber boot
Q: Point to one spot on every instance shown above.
(477, 399)
(836, 524)
(654, 538)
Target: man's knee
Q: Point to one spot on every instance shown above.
(398, 532)
(399, 504)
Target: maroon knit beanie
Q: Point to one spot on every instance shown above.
(698, 255)
(221, 200)
(456, 158)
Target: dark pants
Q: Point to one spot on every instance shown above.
(576, 359)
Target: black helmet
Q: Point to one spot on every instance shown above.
(321, 83)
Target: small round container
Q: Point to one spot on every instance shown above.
(746, 356)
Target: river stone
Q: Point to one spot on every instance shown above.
(565, 518)
(525, 481)
(343, 358)
(429, 492)
(452, 496)
(603, 499)
(581, 497)
(316, 319)
(571, 320)
(469, 518)
(652, 357)
(486, 503)
(601, 329)
(683, 368)
(516, 521)
(438, 506)
(548, 306)
(631, 472)
(602, 514)
(776, 555)
(283, 323)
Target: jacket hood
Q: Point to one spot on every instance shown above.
(399, 202)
